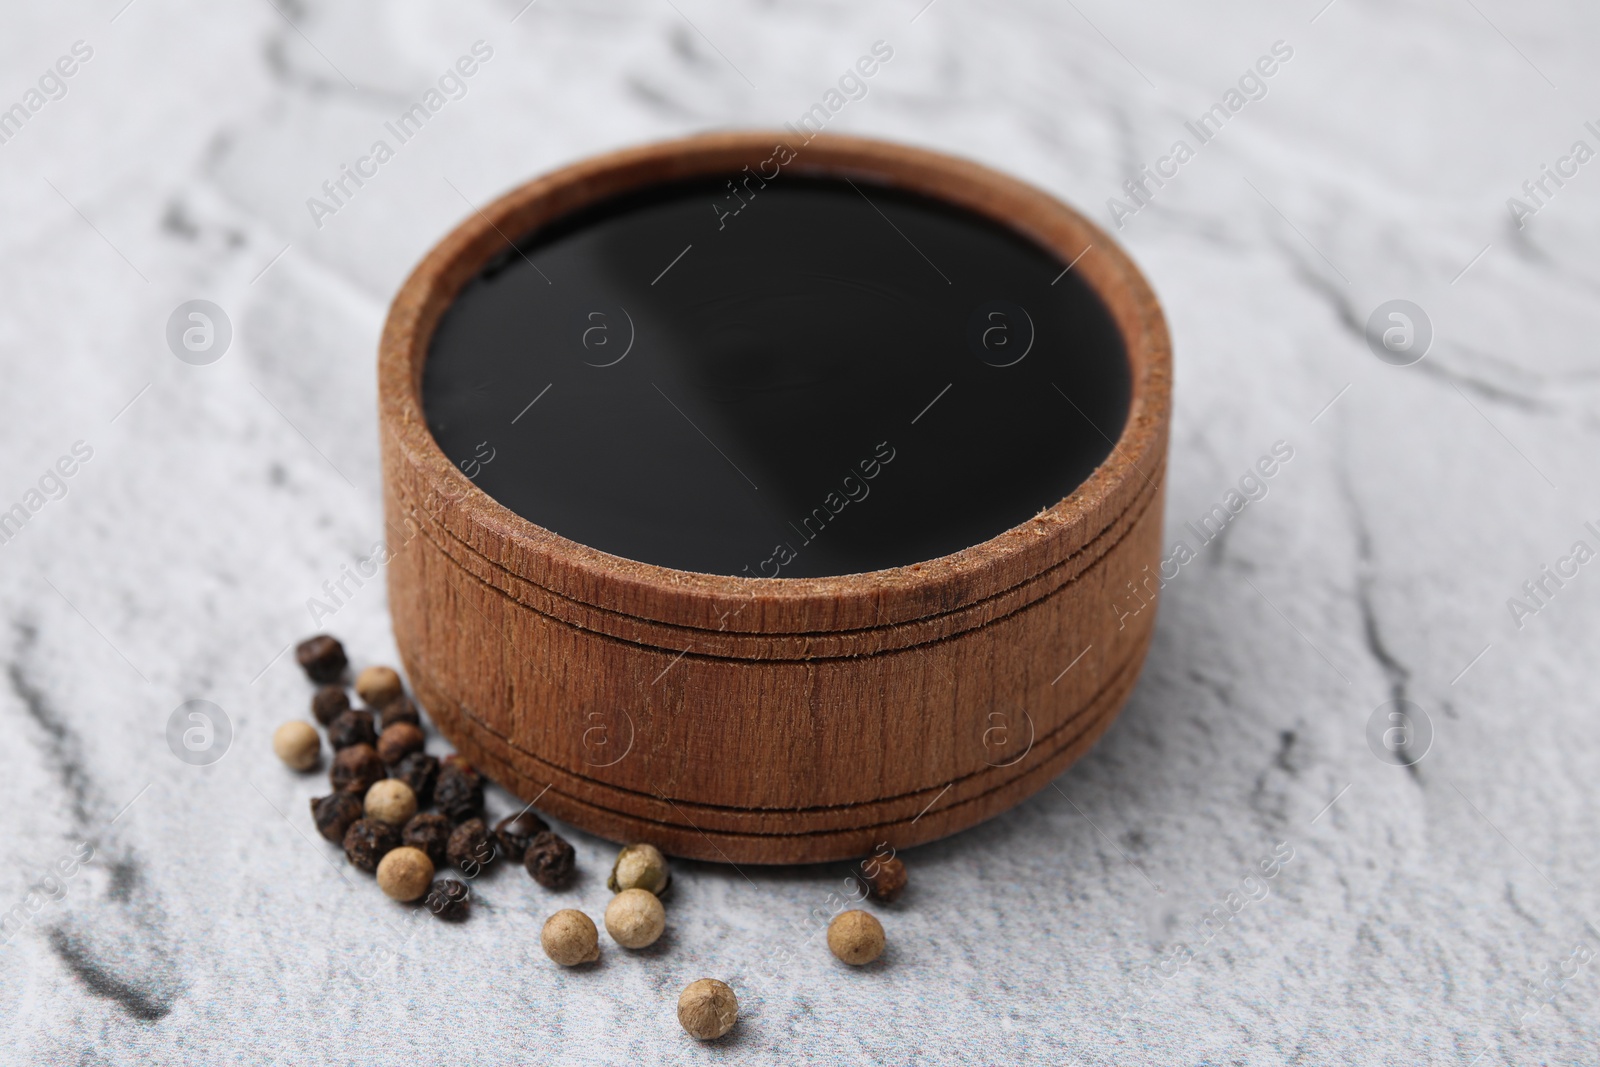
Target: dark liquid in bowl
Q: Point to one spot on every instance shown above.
(835, 379)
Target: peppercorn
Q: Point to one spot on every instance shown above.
(334, 813)
(356, 768)
(351, 728)
(639, 867)
(430, 833)
(398, 742)
(469, 847)
(459, 790)
(328, 703)
(368, 841)
(707, 1009)
(378, 685)
(322, 658)
(419, 770)
(298, 744)
(549, 859)
(856, 937)
(405, 873)
(885, 878)
(516, 832)
(400, 709)
(392, 801)
(447, 898)
(635, 918)
(570, 938)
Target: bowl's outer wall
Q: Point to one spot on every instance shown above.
(774, 720)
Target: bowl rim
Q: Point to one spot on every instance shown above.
(472, 521)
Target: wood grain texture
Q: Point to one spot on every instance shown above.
(771, 720)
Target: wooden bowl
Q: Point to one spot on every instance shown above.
(779, 720)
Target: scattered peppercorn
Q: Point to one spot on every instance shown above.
(334, 813)
(639, 867)
(378, 685)
(469, 847)
(516, 832)
(328, 703)
(356, 769)
(570, 938)
(431, 833)
(322, 658)
(400, 709)
(419, 770)
(549, 859)
(885, 878)
(351, 728)
(405, 873)
(856, 937)
(458, 791)
(635, 918)
(297, 744)
(447, 898)
(399, 741)
(707, 1009)
(392, 801)
(368, 841)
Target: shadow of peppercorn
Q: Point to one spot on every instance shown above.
(883, 963)
(661, 946)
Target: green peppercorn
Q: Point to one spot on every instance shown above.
(640, 867)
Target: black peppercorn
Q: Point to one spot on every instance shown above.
(419, 770)
(400, 709)
(429, 832)
(516, 832)
(334, 813)
(322, 658)
(356, 769)
(886, 878)
(469, 848)
(399, 741)
(447, 898)
(328, 703)
(550, 860)
(368, 841)
(459, 790)
(351, 728)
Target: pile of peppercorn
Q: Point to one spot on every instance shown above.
(384, 782)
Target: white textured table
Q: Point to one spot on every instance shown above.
(1419, 904)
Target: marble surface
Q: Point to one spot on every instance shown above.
(1419, 904)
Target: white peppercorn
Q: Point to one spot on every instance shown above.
(635, 918)
(378, 685)
(298, 744)
(856, 937)
(707, 1009)
(405, 873)
(391, 801)
(570, 938)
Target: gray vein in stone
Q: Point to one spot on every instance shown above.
(116, 945)
(1395, 671)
